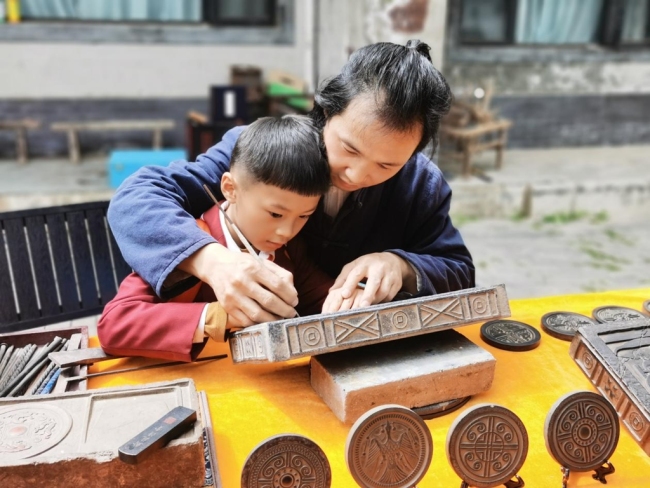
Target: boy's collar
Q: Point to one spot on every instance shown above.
(230, 242)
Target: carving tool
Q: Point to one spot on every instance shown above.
(78, 357)
(5, 359)
(243, 239)
(30, 367)
(154, 437)
(147, 366)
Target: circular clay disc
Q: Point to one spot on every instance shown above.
(564, 325)
(510, 335)
(26, 431)
(389, 446)
(581, 430)
(646, 306)
(615, 314)
(286, 461)
(441, 408)
(487, 445)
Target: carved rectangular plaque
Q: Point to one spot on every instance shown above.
(616, 358)
(318, 334)
(71, 439)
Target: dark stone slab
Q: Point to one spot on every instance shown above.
(616, 358)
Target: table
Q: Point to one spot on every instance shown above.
(250, 403)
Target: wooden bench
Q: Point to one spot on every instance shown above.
(73, 128)
(21, 127)
(474, 139)
(56, 264)
(472, 127)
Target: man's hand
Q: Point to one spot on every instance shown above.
(385, 274)
(336, 303)
(250, 291)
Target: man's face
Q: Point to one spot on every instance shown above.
(268, 216)
(361, 152)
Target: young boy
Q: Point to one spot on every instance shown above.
(277, 176)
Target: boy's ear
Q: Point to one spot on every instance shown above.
(229, 187)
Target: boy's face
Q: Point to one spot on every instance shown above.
(268, 216)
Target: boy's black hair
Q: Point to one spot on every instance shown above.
(403, 81)
(285, 152)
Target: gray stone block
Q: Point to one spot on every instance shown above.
(71, 439)
(412, 372)
(318, 334)
(616, 358)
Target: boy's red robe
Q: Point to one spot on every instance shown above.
(139, 323)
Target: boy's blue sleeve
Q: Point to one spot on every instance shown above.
(152, 213)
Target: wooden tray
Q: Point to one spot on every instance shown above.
(40, 338)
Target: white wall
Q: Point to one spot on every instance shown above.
(348, 25)
(81, 70)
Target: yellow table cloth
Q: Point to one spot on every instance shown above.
(250, 403)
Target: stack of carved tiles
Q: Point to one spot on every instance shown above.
(616, 358)
(414, 372)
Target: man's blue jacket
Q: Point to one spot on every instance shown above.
(152, 217)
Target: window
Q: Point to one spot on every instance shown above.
(218, 12)
(239, 12)
(553, 22)
(486, 21)
(636, 22)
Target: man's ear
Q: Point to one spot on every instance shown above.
(229, 187)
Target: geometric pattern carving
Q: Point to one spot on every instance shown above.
(615, 356)
(365, 325)
(290, 461)
(487, 445)
(318, 334)
(581, 431)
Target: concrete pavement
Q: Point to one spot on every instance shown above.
(585, 223)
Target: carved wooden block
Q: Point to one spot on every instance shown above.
(318, 334)
(616, 358)
(72, 439)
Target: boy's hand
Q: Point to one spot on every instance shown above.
(250, 292)
(385, 274)
(336, 303)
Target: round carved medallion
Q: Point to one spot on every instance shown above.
(286, 461)
(510, 335)
(26, 431)
(389, 446)
(487, 445)
(581, 430)
(439, 409)
(616, 314)
(564, 325)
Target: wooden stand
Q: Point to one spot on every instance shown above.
(73, 128)
(20, 126)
